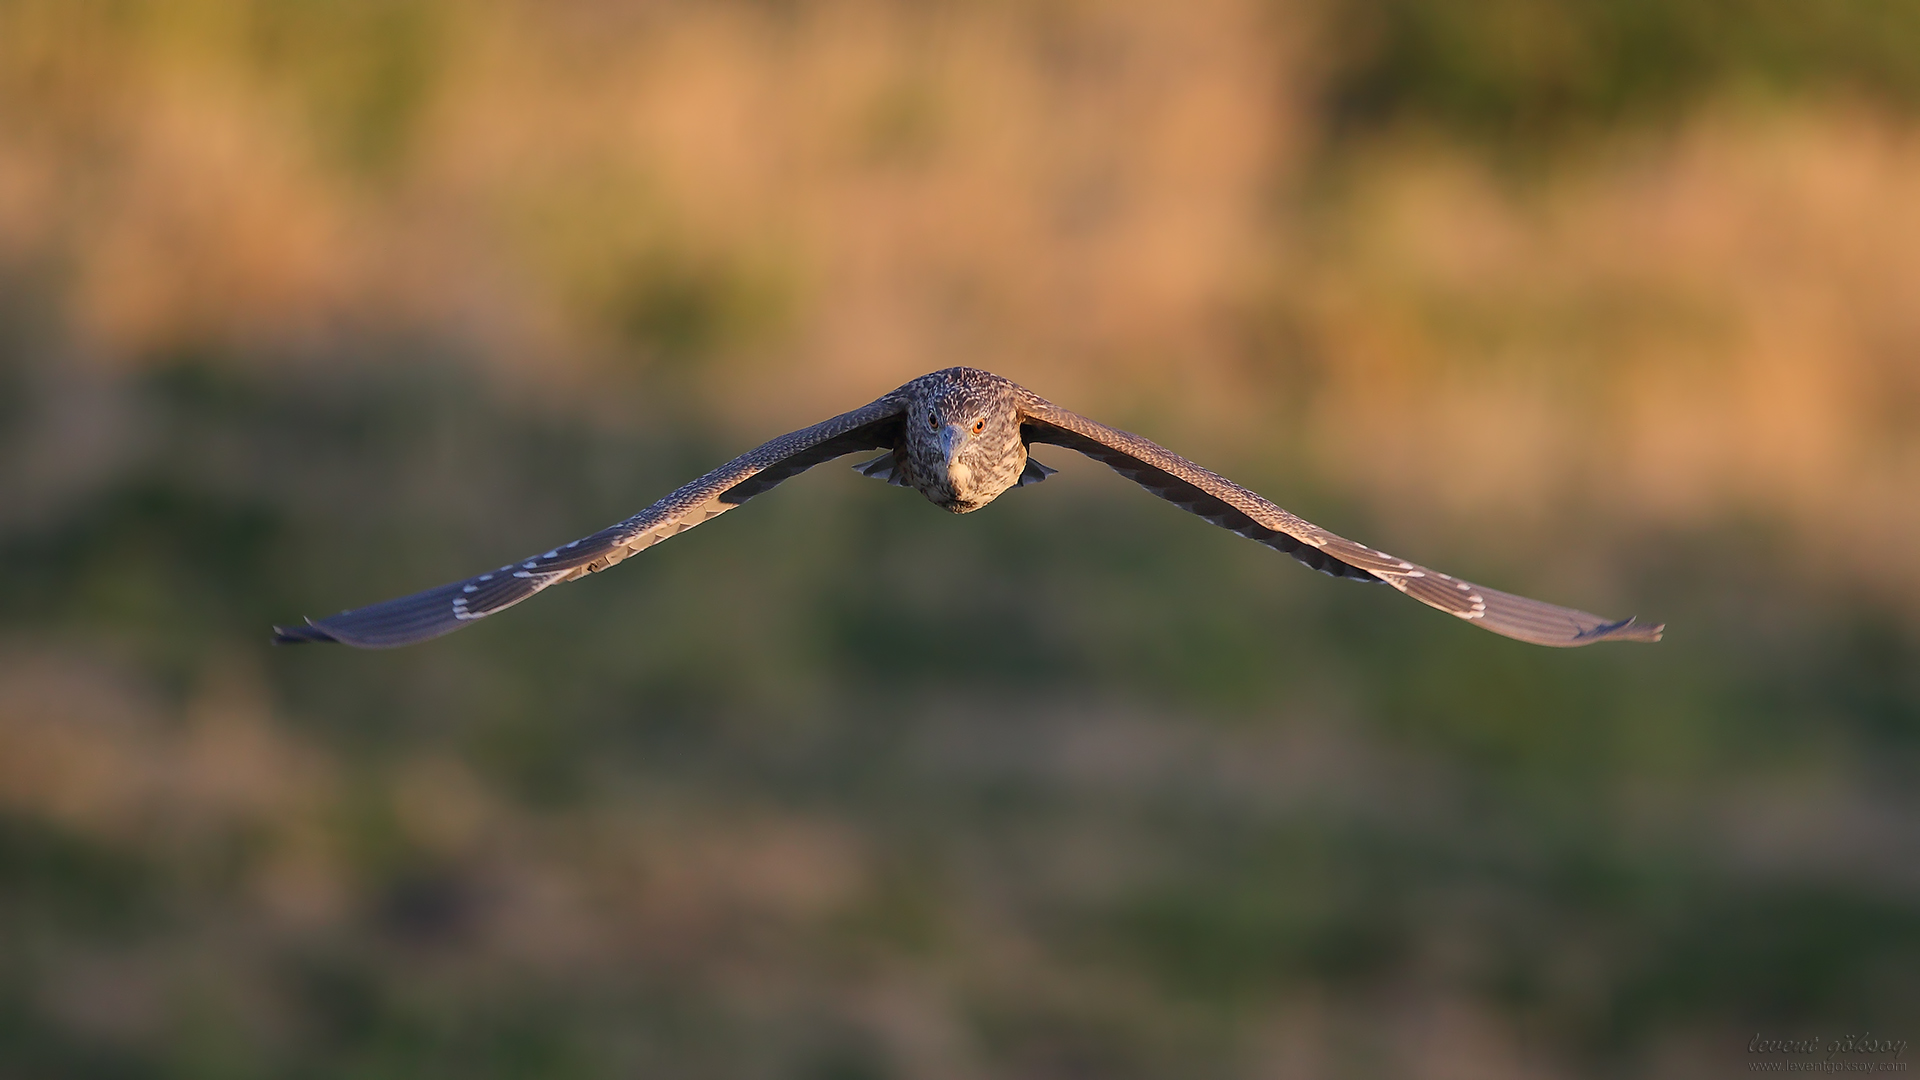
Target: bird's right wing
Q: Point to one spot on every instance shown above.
(1227, 504)
(430, 614)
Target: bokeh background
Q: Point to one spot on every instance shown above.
(306, 303)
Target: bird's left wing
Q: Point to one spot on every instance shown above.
(1227, 504)
(430, 614)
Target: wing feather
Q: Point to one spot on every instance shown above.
(1230, 506)
(429, 614)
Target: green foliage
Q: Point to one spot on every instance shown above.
(47, 872)
(1519, 73)
(365, 69)
(796, 659)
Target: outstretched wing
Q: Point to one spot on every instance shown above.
(1233, 507)
(448, 608)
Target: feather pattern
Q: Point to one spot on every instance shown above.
(960, 438)
(1224, 503)
(430, 614)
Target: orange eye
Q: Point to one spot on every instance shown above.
(979, 426)
(932, 424)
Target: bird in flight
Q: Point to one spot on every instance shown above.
(960, 437)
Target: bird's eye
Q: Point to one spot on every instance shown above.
(979, 425)
(933, 424)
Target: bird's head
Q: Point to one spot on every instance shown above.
(963, 438)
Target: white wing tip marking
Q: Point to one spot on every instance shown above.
(466, 589)
(1477, 611)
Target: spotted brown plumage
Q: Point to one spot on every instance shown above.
(960, 437)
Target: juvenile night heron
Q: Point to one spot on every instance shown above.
(960, 437)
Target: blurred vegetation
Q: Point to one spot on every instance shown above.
(308, 304)
(366, 68)
(1532, 74)
(1222, 875)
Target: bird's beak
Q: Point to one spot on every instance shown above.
(952, 438)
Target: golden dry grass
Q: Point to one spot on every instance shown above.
(1104, 201)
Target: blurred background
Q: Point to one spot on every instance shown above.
(308, 303)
